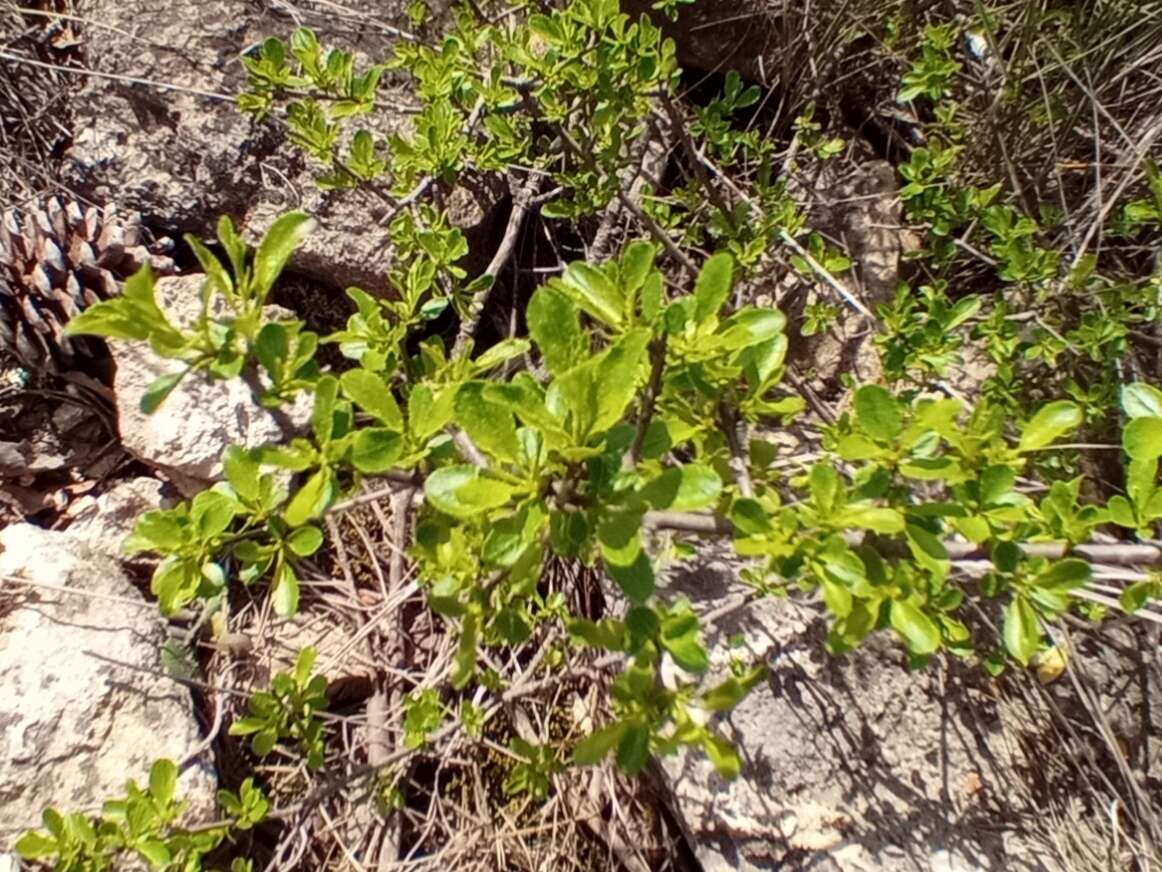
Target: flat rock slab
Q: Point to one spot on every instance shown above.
(81, 713)
(849, 763)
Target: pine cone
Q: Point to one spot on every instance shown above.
(55, 260)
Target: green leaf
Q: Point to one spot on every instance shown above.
(682, 488)
(1052, 421)
(501, 352)
(1022, 632)
(878, 413)
(323, 414)
(681, 637)
(465, 662)
(881, 519)
(919, 632)
(1142, 439)
(555, 328)
(606, 633)
(928, 550)
(1121, 512)
(753, 327)
(836, 597)
(242, 472)
(371, 393)
(749, 518)
(596, 747)
(619, 533)
(722, 754)
(637, 260)
(294, 458)
(725, 696)
(633, 751)
(594, 396)
(1065, 575)
(712, 287)
(211, 513)
(465, 491)
(489, 425)
(1140, 400)
(635, 580)
(216, 274)
(34, 846)
(1139, 593)
(275, 250)
(272, 347)
(285, 592)
(312, 499)
(163, 779)
(305, 541)
(160, 388)
(429, 411)
(824, 483)
(232, 244)
(592, 291)
(375, 449)
(155, 852)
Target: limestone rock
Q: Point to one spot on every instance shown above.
(848, 763)
(186, 436)
(81, 714)
(103, 522)
(184, 155)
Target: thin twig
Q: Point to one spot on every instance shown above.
(658, 356)
(520, 207)
(828, 279)
(116, 77)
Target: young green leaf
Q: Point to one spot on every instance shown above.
(163, 779)
(305, 541)
(375, 449)
(280, 241)
(555, 328)
(312, 499)
(680, 636)
(466, 491)
(682, 488)
(918, 631)
(1140, 400)
(1052, 421)
(712, 287)
(489, 425)
(217, 276)
(633, 751)
(35, 846)
(159, 389)
(722, 755)
(372, 394)
(1142, 439)
(878, 413)
(285, 593)
(592, 291)
(596, 747)
(1022, 632)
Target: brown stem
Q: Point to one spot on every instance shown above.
(521, 198)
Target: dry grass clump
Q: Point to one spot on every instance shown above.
(458, 792)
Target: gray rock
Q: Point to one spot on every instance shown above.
(186, 436)
(849, 763)
(84, 706)
(186, 155)
(104, 521)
